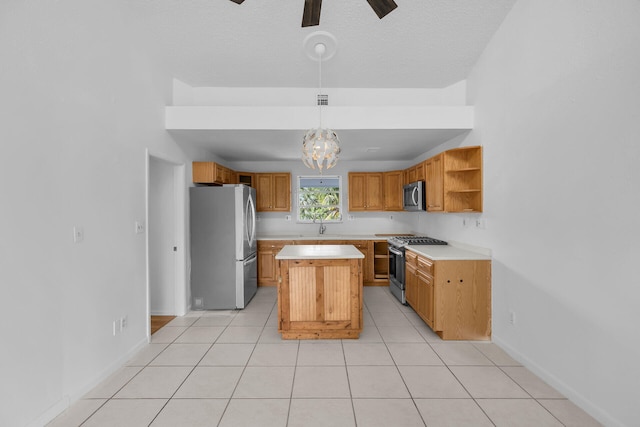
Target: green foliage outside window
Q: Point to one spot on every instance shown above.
(319, 199)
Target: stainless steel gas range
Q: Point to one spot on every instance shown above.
(397, 246)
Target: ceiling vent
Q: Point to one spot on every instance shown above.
(323, 99)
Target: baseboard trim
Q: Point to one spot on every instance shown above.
(574, 396)
(75, 395)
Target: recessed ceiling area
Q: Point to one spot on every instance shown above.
(259, 43)
(275, 145)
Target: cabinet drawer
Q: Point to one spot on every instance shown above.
(272, 244)
(411, 258)
(425, 264)
(362, 245)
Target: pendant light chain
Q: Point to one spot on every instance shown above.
(319, 97)
(320, 146)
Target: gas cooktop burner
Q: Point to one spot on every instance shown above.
(401, 241)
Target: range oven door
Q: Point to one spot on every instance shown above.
(396, 273)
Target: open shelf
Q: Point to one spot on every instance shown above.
(380, 260)
(463, 179)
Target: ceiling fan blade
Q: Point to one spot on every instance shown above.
(382, 7)
(311, 14)
(237, 1)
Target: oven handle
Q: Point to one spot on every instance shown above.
(396, 252)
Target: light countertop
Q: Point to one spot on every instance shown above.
(292, 236)
(447, 252)
(319, 252)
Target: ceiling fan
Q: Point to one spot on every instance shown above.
(311, 14)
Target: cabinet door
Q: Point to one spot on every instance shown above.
(273, 192)
(267, 263)
(367, 265)
(420, 172)
(411, 287)
(411, 175)
(281, 195)
(435, 184)
(218, 173)
(393, 190)
(226, 175)
(266, 267)
(203, 172)
(374, 192)
(424, 284)
(357, 191)
(263, 191)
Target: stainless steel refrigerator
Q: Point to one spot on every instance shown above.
(224, 272)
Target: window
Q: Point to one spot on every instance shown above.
(319, 198)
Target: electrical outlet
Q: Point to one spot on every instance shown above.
(139, 227)
(288, 217)
(123, 323)
(481, 223)
(512, 318)
(390, 217)
(78, 234)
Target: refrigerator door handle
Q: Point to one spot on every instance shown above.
(250, 216)
(250, 260)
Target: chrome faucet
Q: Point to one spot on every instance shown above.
(323, 227)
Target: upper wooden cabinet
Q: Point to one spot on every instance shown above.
(273, 191)
(435, 186)
(454, 180)
(463, 179)
(365, 191)
(211, 173)
(392, 193)
(247, 178)
(415, 173)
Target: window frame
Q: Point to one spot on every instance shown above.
(339, 205)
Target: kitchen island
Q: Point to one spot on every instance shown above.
(320, 292)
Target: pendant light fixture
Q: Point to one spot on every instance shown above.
(320, 146)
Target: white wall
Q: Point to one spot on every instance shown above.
(556, 96)
(79, 106)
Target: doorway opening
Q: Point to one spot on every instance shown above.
(166, 241)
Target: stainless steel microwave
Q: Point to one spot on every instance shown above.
(413, 198)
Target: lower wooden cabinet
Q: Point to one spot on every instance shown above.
(375, 266)
(320, 298)
(453, 297)
(267, 264)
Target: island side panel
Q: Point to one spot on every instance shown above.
(337, 301)
(302, 296)
(320, 299)
(465, 299)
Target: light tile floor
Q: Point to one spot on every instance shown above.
(231, 368)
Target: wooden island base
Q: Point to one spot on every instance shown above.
(320, 298)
